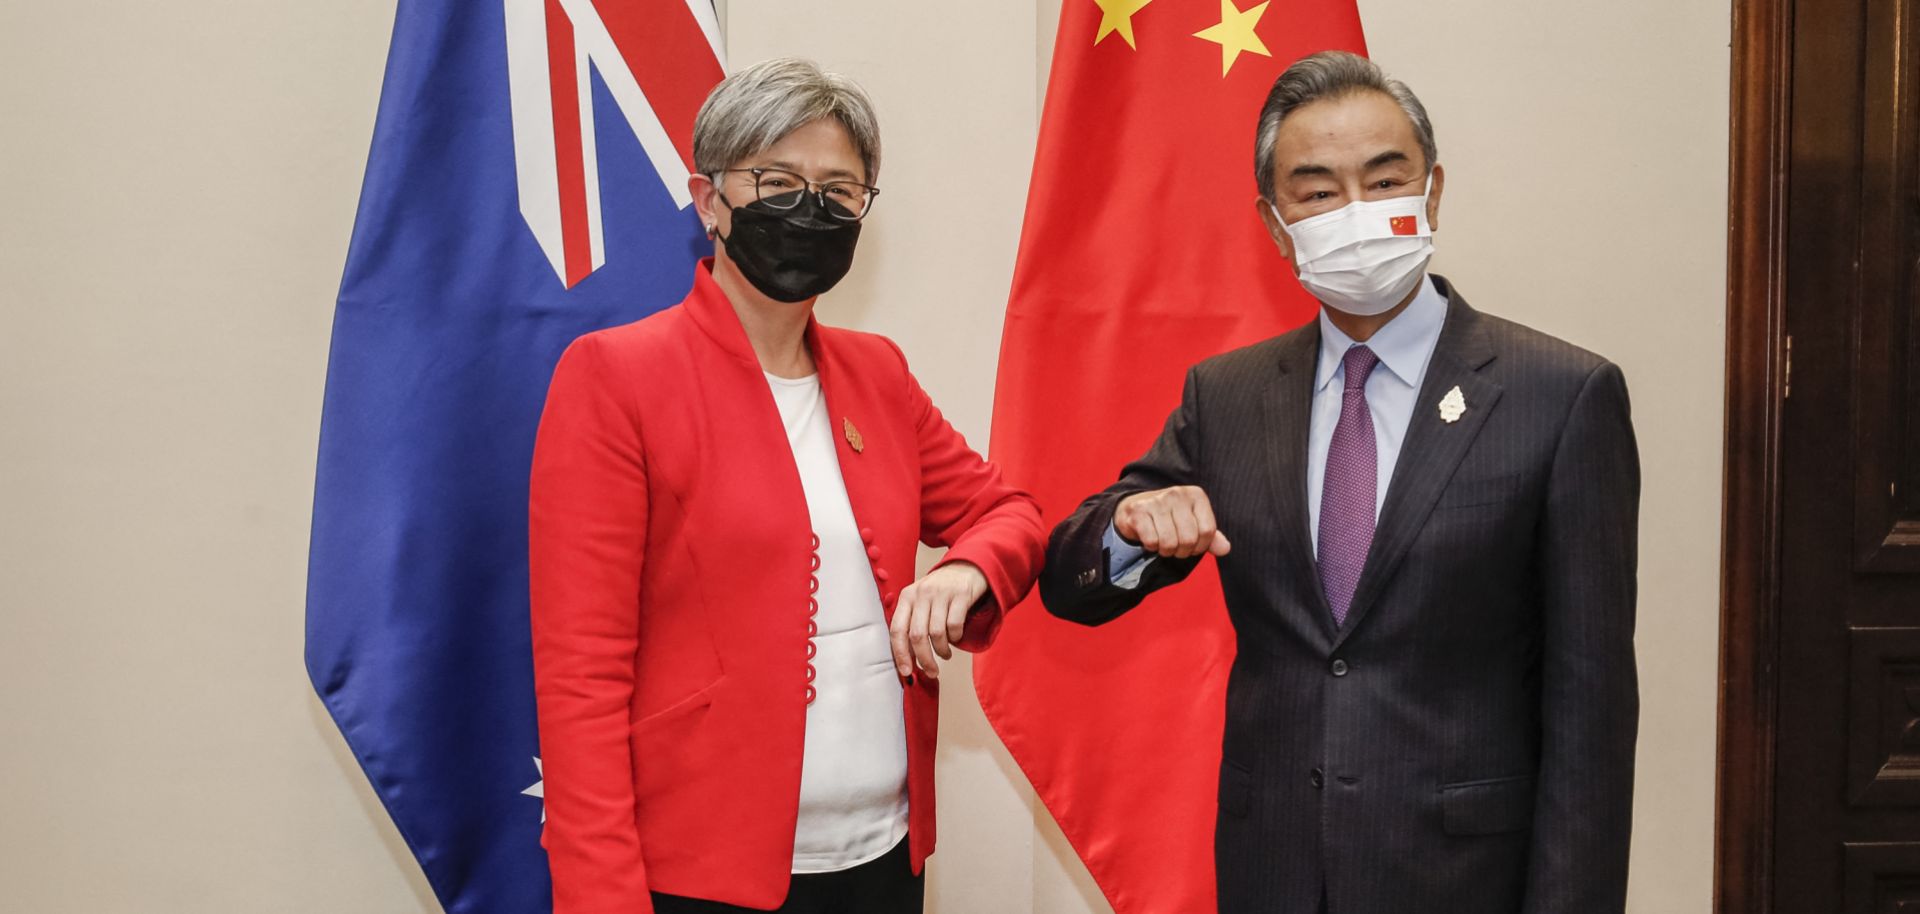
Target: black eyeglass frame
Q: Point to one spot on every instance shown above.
(817, 188)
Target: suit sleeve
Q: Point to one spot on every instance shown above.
(587, 513)
(1590, 700)
(967, 506)
(1077, 584)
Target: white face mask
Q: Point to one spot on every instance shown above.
(1366, 257)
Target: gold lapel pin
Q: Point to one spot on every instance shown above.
(1453, 406)
(854, 440)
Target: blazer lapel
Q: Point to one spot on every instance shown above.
(1431, 452)
(847, 417)
(1288, 409)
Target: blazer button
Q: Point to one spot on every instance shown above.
(873, 552)
(880, 574)
(1317, 778)
(1339, 668)
(866, 534)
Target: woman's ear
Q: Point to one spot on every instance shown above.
(705, 201)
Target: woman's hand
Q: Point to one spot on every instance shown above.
(931, 615)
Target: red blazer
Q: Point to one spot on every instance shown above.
(670, 561)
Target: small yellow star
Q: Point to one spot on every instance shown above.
(1117, 16)
(1235, 33)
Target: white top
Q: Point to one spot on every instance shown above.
(853, 773)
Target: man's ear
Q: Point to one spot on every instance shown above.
(1433, 197)
(1270, 217)
(704, 194)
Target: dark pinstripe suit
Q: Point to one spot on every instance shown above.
(1465, 743)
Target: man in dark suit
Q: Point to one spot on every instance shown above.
(1431, 570)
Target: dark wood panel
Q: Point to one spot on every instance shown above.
(1820, 700)
(1743, 851)
(1817, 559)
(1883, 878)
(1886, 528)
(1883, 765)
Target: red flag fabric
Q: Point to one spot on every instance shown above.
(1142, 253)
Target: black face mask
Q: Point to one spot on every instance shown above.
(791, 255)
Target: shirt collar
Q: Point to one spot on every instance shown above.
(1404, 345)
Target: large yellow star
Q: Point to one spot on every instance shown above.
(1117, 16)
(1235, 33)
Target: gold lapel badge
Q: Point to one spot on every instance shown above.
(854, 440)
(1453, 406)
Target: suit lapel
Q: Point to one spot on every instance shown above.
(1288, 410)
(1431, 452)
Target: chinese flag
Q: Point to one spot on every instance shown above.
(1404, 225)
(1142, 253)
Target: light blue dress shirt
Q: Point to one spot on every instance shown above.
(1405, 347)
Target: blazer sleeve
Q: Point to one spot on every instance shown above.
(1590, 699)
(967, 506)
(1076, 584)
(587, 515)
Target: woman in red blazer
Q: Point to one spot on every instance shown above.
(736, 672)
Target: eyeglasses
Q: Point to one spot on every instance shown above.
(847, 201)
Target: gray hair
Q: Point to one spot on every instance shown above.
(1331, 75)
(756, 107)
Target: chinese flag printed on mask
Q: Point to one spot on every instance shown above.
(1405, 225)
(1142, 253)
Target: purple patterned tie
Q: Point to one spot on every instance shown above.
(1350, 493)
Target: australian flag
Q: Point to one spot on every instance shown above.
(527, 184)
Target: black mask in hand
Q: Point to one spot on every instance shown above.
(791, 255)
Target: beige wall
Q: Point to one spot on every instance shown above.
(179, 184)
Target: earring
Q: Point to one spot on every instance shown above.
(710, 229)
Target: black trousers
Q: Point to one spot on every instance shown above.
(883, 886)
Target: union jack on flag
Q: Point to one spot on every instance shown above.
(659, 59)
(527, 184)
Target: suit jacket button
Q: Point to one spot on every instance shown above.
(1317, 778)
(1339, 668)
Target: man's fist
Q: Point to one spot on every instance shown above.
(1175, 523)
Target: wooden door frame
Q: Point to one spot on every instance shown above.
(1756, 368)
